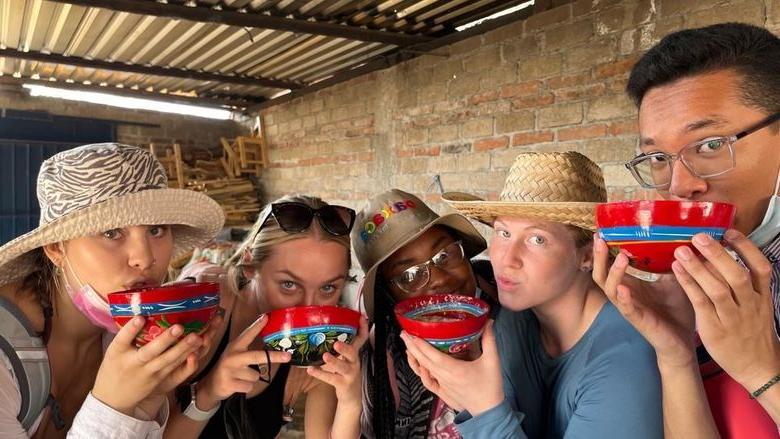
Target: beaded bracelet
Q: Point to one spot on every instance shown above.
(766, 386)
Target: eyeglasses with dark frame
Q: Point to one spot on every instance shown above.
(417, 276)
(706, 158)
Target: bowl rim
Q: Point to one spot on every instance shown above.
(164, 293)
(471, 324)
(344, 316)
(627, 203)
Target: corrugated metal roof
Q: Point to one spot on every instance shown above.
(236, 52)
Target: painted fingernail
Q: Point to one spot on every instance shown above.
(732, 235)
(683, 253)
(702, 239)
(259, 319)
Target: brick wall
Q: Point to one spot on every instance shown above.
(195, 134)
(552, 82)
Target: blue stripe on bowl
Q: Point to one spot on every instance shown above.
(446, 306)
(657, 233)
(310, 329)
(194, 303)
(449, 341)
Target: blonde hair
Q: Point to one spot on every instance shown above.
(582, 237)
(266, 235)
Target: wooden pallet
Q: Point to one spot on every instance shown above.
(173, 163)
(237, 195)
(243, 155)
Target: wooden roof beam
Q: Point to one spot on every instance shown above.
(118, 66)
(254, 20)
(396, 57)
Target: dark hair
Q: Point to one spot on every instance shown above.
(42, 284)
(750, 51)
(381, 395)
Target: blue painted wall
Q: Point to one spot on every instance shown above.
(26, 140)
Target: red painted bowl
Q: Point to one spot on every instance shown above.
(450, 322)
(191, 305)
(308, 332)
(649, 231)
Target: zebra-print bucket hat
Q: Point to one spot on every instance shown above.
(94, 188)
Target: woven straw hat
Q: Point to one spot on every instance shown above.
(393, 219)
(93, 188)
(561, 187)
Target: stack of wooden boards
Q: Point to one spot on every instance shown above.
(231, 180)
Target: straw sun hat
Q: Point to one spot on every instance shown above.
(94, 188)
(561, 187)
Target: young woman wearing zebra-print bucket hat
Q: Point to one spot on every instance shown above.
(108, 222)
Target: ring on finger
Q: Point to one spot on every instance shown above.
(263, 369)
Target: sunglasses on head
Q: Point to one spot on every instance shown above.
(294, 217)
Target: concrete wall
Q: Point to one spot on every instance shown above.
(552, 82)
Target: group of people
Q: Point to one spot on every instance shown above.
(576, 347)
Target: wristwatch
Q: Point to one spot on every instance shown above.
(193, 412)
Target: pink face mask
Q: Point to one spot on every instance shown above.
(90, 304)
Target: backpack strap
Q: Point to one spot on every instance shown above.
(26, 352)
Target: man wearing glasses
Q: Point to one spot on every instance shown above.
(709, 105)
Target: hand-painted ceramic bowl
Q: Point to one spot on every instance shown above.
(649, 231)
(308, 332)
(191, 305)
(450, 322)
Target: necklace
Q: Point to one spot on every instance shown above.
(297, 381)
(287, 413)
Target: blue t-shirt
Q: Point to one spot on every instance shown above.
(606, 386)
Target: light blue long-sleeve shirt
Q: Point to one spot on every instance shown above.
(606, 386)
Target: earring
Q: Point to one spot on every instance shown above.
(246, 257)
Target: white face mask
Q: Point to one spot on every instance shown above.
(770, 226)
(89, 302)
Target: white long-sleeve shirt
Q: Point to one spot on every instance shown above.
(94, 420)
